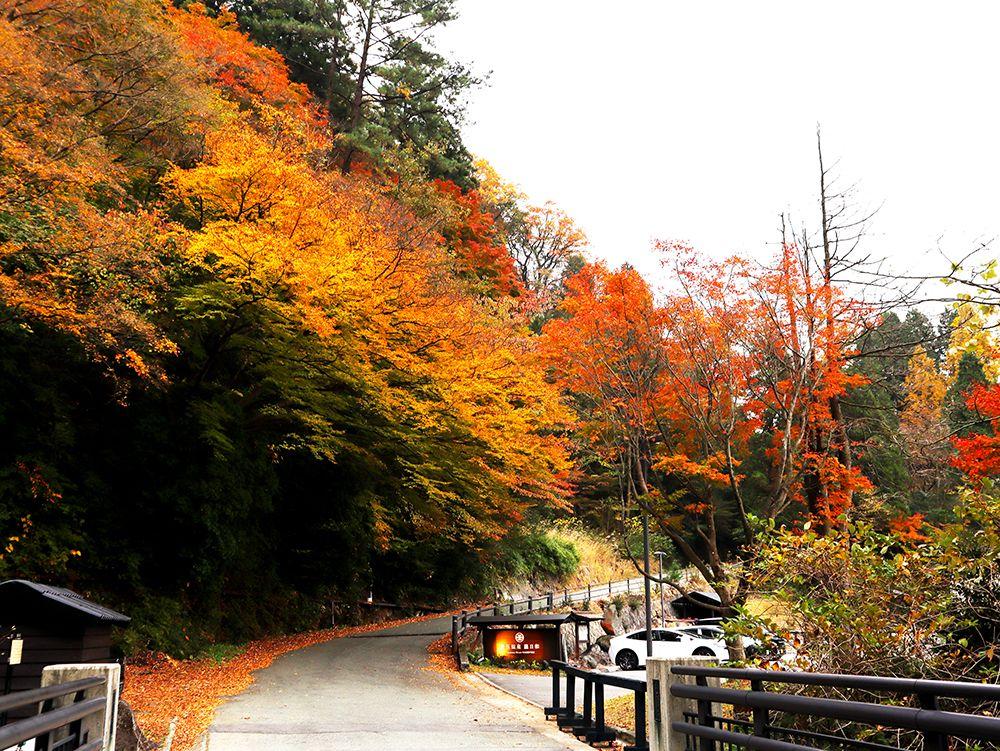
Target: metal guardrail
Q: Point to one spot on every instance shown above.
(42, 726)
(543, 601)
(704, 729)
(590, 724)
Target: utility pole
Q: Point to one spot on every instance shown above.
(645, 579)
(659, 557)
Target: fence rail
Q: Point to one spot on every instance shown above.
(705, 728)
(543, 601)
(42, 726)
(590, 724)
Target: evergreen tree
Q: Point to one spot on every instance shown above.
(961, 419)
(373, 63)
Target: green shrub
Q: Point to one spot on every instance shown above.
(540, 556)
(160, 624)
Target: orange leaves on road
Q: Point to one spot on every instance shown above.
(191, 690)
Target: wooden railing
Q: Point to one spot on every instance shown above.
(753, 720)
(42, 728)
(590, 724)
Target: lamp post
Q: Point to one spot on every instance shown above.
(659, 557)
(645, 579)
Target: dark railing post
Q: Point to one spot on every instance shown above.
(465, 617)
(657, 711)
(75, 729)
(552, 600)
(531, 603)
(554, 709)
(640, 722)
(588, 704)
(454, 634)
(42, 741)
(761, 717)
(609, 589)
(570, 694)
(566, 599)
(600, 730)
(932, 741)
(705, 717)
(589, 598)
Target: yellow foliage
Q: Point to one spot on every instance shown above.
(375, 283)
(974, 330)
(925, 390)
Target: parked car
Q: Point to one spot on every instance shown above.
(628, 651)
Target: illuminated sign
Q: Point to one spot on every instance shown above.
(534, 644)
(16, 649)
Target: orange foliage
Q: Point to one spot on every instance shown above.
(682, 385)
(979, 455)
(246, 73)
(93, 94)
(474, 239)
(909, 528)
(101, 97)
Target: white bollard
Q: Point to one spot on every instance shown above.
(101, 725)
(662, 709)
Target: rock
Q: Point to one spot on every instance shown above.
(128, 735)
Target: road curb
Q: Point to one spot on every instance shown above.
(507, 691)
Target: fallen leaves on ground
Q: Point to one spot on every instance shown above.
(441, 658)
(620, 712)
(190, 690)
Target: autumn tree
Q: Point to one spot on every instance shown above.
(979, 453)
(923, 426)
(544, 242)
(678, 393)
(374, 64)
(235, 381)
(973, 331)
(95, 97)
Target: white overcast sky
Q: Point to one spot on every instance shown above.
(696, 120)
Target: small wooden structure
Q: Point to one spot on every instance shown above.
(534, 637)
(696, 606)
(55, 625)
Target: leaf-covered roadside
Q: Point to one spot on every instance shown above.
(190, 690)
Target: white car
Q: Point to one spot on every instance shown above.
(628, 651)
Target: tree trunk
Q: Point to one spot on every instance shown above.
(359, 88)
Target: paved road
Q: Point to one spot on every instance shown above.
(377, 692)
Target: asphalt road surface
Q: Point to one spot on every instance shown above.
(537, 689)
(377, 692)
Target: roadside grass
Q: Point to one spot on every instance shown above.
(220, 653)
(189, 691)
(507, 671)
(599, 557)
(764, 606)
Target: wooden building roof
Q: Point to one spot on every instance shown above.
(17, 594)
